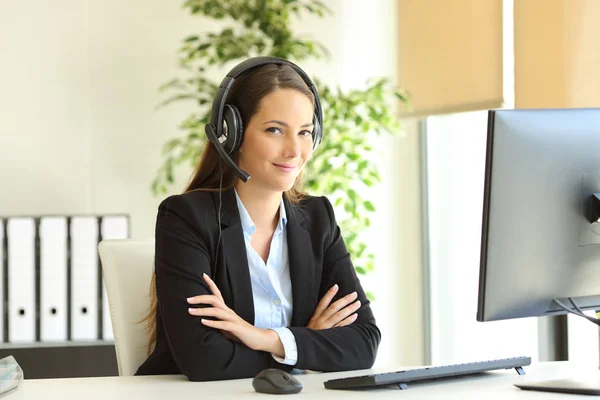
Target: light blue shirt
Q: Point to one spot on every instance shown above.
(271, 283)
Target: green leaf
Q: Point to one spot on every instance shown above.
(169, 171)
(352, 194)
(363, 165)
(369, 206)
(348, 208)
(171, 144)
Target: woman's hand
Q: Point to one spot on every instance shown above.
(232, 325)
(337, 314)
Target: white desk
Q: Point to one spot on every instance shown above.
(491, 385)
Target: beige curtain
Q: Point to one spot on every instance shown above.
(557, 53)
(450, 54)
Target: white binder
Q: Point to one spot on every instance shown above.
(84, 278)
(53, 279)
(21, 280)
(113, 227)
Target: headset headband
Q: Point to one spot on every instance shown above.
(216, 115)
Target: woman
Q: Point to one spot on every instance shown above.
(255, 275)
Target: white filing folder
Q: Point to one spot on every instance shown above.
(21, 279)
(84, 278)
(53, 279)
(113, 227)
(1, 280)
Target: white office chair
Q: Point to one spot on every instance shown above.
(127, 266)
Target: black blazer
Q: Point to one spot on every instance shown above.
(186, 239)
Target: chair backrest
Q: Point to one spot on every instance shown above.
(127, 266)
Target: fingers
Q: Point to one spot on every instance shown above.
(344, 313)
(345, 316)
(212, 286)
(324, 303)
(221, 325)
(347, 321)
(209, 312)
(207, 299)
(338, 305)
(340, 313)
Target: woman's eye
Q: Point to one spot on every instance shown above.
(306, 133)
(274, 130)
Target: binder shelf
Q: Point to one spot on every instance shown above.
(51, 286)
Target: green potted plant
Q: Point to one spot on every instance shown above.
(341, 167)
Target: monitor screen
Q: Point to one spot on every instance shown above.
(540, 235)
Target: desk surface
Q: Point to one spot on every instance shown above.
(490, 385)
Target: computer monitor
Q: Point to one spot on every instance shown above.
(540, 243)
(540, 236)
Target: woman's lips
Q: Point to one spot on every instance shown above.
(285, 167)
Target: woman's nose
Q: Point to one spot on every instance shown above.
(292, 147)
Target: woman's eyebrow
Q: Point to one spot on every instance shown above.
(286, 125)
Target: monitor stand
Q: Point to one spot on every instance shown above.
(588, 385)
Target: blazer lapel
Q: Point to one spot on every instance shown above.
(302, 266)
(234, 251)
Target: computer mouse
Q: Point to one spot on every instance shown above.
(275, 381)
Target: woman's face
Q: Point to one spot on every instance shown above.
(278, 140)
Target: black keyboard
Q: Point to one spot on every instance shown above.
(401, 378)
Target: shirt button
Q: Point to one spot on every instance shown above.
(276, 302)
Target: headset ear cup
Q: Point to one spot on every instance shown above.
(317, 133)
(231, 117)
(239, 137)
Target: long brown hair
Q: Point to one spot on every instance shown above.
(246, 93)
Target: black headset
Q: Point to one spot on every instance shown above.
(226, 128)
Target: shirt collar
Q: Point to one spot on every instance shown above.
(247, 223)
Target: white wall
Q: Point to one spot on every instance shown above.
(455, 180)
(396, 238)
(79, 132)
